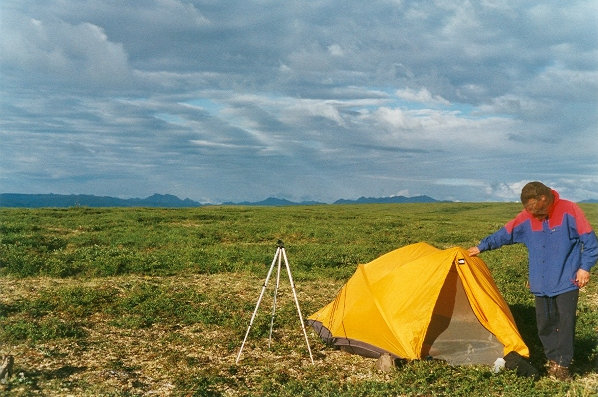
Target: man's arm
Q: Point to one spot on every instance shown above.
(589, 254)
(587, 236)
(493, 241)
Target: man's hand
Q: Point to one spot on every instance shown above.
(582, 278)
(473, 251)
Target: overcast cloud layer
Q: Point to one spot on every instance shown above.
(304, 100)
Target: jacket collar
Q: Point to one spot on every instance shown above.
(555, 199)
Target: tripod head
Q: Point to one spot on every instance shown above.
(280, 244)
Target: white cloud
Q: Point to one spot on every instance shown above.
(171, 13)
(460, 182)
(58, 52)
(458, 100)
(396, 118)
(421, 96)
(336, 50)
(505, 191)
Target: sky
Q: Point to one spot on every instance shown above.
(240, 100)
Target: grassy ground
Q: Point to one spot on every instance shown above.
(127, 302)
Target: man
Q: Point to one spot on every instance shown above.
(562, 248)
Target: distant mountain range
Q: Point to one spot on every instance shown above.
(274, 202)
(86, 200)
(170, 201)
(388, 200)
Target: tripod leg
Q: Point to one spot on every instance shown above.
(278, 250)
(286, 262)
(274, 303)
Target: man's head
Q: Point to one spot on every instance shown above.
(537, 198)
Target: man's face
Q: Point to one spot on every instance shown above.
(538, 208)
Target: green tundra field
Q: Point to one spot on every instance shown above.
(156, 302)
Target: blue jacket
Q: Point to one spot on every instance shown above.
(557, 247)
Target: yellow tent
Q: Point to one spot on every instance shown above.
(419, 301)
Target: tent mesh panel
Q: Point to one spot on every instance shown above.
(455, 334)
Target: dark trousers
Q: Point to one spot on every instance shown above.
(555, 317)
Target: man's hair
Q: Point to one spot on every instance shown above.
(534, 190)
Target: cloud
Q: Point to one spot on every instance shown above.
(56, 53)
(422, 96)
(505, 191)
(311, 100)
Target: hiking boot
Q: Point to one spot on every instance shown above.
(558, 371)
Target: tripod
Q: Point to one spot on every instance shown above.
(280, 253)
